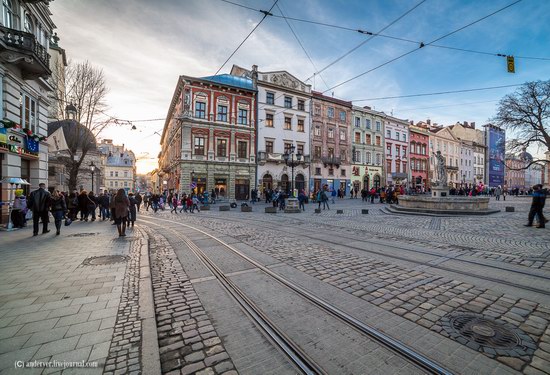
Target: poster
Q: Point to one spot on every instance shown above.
(496, 150)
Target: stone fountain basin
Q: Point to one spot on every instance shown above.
(450, 205)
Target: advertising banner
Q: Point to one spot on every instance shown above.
(496, 145)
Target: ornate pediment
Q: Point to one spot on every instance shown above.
(286, 80)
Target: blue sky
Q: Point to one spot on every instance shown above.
(143, 46)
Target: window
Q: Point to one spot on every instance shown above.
(9, 14)
(397, 150)
(300, 149)
(388, 149)
(357, 157)
(331, 171)
(404, 167)
(331, 133)
(343, 154)
(242, 148)
(200, 109)
(378, 159)
(317, 170)
(343, 172)
(112, 173)
(342, 134)
(28, 110)
(357, 122)
(330, 112)
(368, 159)
(288, 123)
(269, 147)
(125, 183)
(378, 140)
(125, 173)
(330, 152)
(342, 116)
(367, 123)
(270, 98)
(404, 151)
(288, 102)
(378, 126)
(317, 110)
(301, 125)
(397, 167)
(111, 183)
(116, 174)
(199, 146)
(317, 152)
(357, 137)
(301, 105)
(317, 131)
(404, 137)
(397, 135)
(269, 120)
(243, 117)
(221, 147)
(388, 133)
(29, 27)
(116, 183)
(222, 113)
(288, 146)
(388, 166)
(367, 139)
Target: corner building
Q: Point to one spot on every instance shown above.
(283, 122)
(209, 137)
(331, 144)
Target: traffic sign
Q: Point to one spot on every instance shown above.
(510, 64)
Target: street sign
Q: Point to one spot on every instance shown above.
(510, 64)
(193, 185)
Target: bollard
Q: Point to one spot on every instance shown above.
(339, 211)
(271, 210)
(510, 209)
(205, 208)
(317, 210)
(224, 208)
(364, 211)
(246, 209)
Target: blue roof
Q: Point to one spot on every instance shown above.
(231, 80)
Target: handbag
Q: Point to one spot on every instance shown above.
(68, 222)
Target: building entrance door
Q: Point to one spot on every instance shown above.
(221, 187)
(267, 182)
(242, 188)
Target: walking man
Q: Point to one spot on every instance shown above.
(539, 198)
(39, 202)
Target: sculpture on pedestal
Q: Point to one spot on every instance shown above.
(440, 169)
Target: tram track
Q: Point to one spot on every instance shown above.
(410, 260)
(295, 354)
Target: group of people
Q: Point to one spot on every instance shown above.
(118, 207)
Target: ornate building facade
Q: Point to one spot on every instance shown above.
(283, 123)
(118, 167)
(419, 153)
(209, 137)
(397, 151)
(330, 143)
(442, 139)
(367, 149)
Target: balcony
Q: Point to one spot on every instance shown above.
(331, 160)
(22, 49)
(451, 168)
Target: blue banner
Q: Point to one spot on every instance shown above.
(496, 144)
(32, 145)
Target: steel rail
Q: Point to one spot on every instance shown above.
(398, 347)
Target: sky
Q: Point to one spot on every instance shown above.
(143, 46)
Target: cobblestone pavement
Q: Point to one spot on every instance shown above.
(187, 339)
(70, 298)
(428, 300)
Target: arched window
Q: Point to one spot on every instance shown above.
(29, 25)
(299, 182)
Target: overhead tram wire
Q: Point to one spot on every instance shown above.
(445, 105)
(300, 43)
(436, 93)
(422, 45)
(268, 13)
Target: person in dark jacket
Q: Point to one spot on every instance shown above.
(122, 204)
(39, 202)
(58, 208)
(72, 205)
(103, 202)
(83, 205)
(537, 204)
(139, 199)
(92, 205)
(132, 213)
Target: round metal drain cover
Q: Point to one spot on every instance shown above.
(104, 260)
(82, 234)
(492, 336)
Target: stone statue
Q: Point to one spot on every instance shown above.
(441, 169)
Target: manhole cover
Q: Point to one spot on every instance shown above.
(104, 260)
(492, 336)
(82, 234)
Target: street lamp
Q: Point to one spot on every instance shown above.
(71, 111)
(92, 168)
(289, 161)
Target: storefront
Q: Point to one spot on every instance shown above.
(242, 188)
(220, 187)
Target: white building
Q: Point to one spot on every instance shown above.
(24, 95)
(467, 132)
(283, 121)
(466, 172)
(397, 151)
(118, 167)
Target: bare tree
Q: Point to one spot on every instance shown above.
(526, 113)
(83, 86)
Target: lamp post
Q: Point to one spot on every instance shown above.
(289, 161)
(92, 168)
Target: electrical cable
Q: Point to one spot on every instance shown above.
(422, 45)
(446, 105)
(245, 39)
(436, 93)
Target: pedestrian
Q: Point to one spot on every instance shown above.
(122, 205)
(59, 209)
(537, 204)
(103, 201)
(301, 200)
(195, 201)
(174, 204)
(147, 201)
(72, 205)
(83, 205)
(39, 203)
(324, 198)
(139, 199)
(333, 194)
(189, 204)
(132, 211)
(498, 192)
(92, 205)
(112, 208)
(183, 203)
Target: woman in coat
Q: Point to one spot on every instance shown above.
(83, 205)
(133, 209)
(58, 208)
(122, 205)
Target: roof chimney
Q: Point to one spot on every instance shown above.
(466, 124)
(473, 125)
(429, 122)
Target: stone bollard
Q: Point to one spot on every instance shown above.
(271, 210)
(339, 211)
(205, 208)
(317, 210)
(510, 209)
(364, 211)
(246, 209)
(224, 208)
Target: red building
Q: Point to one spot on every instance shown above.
(419, 136)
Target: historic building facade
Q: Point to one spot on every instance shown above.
(118, 167)
(442, 139)
(397, 151)
(330, 143)
(419, 154)
(283, 123)
(209, 137)
(473, 139)
(367, 149)
(26, 28)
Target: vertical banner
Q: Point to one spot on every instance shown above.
(496, 146)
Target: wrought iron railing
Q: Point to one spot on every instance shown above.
(25, 41)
